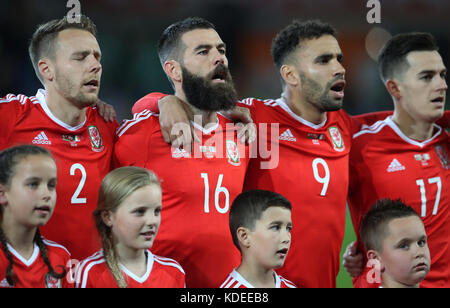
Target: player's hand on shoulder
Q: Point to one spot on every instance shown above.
(106, 111)
(175, 125)
(353, 260)
(247, 129)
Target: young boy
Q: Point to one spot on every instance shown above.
(260, 225)
(396, 243)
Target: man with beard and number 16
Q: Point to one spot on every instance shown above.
(199, 185)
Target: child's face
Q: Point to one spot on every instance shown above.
(405, 258)
(137, 219)
(30, 199)
(271, 238)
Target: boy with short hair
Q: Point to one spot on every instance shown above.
(396, 242)
(260, 225)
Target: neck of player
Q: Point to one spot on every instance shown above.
(198, 116)
(65, 110)
(298, 105)
(413, 128)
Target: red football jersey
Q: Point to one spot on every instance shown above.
(198, 189)
(384, 163)
(235, 280)
(161, 272)
(83, 157)
(312, 173)
(33, 273)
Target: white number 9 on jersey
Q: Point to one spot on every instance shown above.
(324, 180)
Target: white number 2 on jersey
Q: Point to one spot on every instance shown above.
(75, 197)
(219, 190)
(325, 180)
(423, 194)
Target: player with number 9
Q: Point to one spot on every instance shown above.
(66, 57)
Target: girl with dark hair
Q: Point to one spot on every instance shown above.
(27, 200)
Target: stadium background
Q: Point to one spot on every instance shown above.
(128, 32)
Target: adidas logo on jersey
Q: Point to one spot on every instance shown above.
(41, 139)
(180, 153)
(287, 135)
(395, 166)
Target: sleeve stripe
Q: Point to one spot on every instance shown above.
(288, 283)
(138, 117)
(169, 263)
(80, 269)
(374, 129)
(22, 99)
(54, 244)
(85, 273)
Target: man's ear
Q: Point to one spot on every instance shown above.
(173, 70)
(290, 75)
(46, 69)
(393, 88)
(243, 237)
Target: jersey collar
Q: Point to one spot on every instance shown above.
(41, 97)
(421, 144)
(282, 103)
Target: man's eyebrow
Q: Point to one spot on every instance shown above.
(85, 53)
(426, 71)
(209, 46)
(329, 55)
(325, 55)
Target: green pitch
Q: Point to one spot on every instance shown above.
(343, 279)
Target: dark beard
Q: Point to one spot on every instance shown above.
(319, 95)
(201, 93)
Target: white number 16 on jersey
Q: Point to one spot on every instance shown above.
(219, 190)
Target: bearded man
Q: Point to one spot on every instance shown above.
(197, 189)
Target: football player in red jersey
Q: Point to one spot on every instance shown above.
(197, 187)
(27, 201)
(66, 57)
(406, 155)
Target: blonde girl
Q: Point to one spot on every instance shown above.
(128, 217)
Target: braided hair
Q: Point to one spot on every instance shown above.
(115, 188)
(9, 159)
